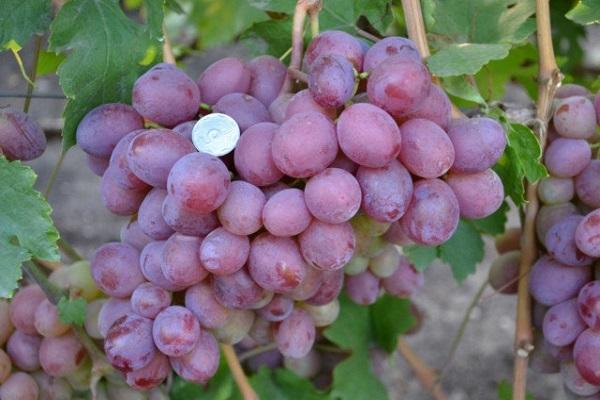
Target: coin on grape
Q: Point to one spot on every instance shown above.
(216, 134)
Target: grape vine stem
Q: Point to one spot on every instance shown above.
(33, 72)
(239, 376)
(425, 374)
(168, 55)
(415, 26)
(549, 78)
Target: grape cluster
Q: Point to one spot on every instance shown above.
(566, 310)
(42, 358)
(255, 246)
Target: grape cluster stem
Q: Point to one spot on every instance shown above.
(424, 373)
(549, 78)
(239, 376)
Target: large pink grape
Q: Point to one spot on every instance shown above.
(60, 356)
(303, 102)
(21, 138)
(333, 196)
(128, 344)
(166, 95)
(151, 375)
(112, 310)
(116, 269)
(570, 89)
(560, 242)
(150, 216)
(588, 302)
(478, 143)
(223, 252)
(479, 194)
(309, 285)
(575, 117)
(279, 106)
(120, 166)
(304, 145)
(331, 80)
(237, 290)
(286, 213)
(389, 47)
(175, 331)
(432, 217)
(151, 260)
(436, 108)
(199, 182)
(47, 321)
(334, 42)
(23, 306)
(405, 281)
(368, 135)
(587, 184)
(181, 263)
(327, 246)
(243, 108)
(241, 211)
(119, 200)
(566, 158)
(148, 300)
(153, 153)
(268, 75)
(331, 286)
(132, 234)
(101, 129)
(585, 353)
(199, 299)
(399, 85)
(295, 335)
(552, 282)
(186, 221)
(97, 165)
(550, 215)
(363, 288)
(23, 350)
(19, 386)
(253, 158)
(275, 263)
(587, 234)
(278, 309)
(426, 149)
(227, 75)
(386, 191)
(562, 323)
(200, 364)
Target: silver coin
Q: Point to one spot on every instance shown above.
(216, 134)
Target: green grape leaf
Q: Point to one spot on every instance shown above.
(521, 160)
(377, 12)
(353, 378)
(284, 385)
(476, 21)
(520, 66)
(571, 34)
(390, 318)
(20, 19)
(466, 58)
(463, 251)
(72, 311)
(48, 62)
(26, 228)
(108, 51)
(493, 224)
(420, 256)
(462, 88)
(268, 37)
(505, 390)
(585, 12)
(220, 21)
(220, 387)
(281, 6)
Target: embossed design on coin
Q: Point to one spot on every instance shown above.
(216, 134)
